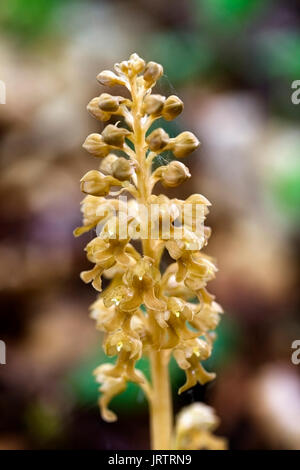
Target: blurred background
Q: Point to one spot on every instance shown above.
(233, 63)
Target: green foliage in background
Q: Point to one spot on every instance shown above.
(225, 345)
(43, 421)
(286, 192)
(280, 54)
(173, 129)
(218, 45)
(27, 19)
(85, 390)
(228, 15)
(185, 55)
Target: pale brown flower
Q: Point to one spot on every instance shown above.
(194, 426)
(142, 311)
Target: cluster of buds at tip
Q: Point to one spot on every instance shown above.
(143, 310)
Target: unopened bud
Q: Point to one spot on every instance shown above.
(108, 102)
(198, 199)
(174, 174)
(184, 144)
(96, 184)
(153, 104)
(157, 140)
(109, 78)
(106, 164)
(93, 108)
(152, 73)
(131, 67)
(122, 169)
(114, 135)
(95, 145)
(137, 64)
(172, 108)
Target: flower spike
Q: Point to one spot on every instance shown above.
(143, 311)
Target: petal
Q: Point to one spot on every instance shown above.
(161, 318)
(88, 276)
(181, 359)
(114, 388)
(151, 301)
(114, 294)
(123, 258)
(190, 381)
(132, 373)
(181, 271)
(80, 230)
(172, 340)
(97, 283)
(133, 303)
(174, 250)
(203, 376)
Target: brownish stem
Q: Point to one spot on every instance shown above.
(160, 403)
(160, 407)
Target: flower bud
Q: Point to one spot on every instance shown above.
(172, 108)
(137, 64)
(114, 135)
(108, 102)
(152, 73)
(109, 78)
(122, 67)
(106, 163)
(197, 199)
(95, 145)
(157, 140)
(153, 104)
(184, 144)
(122, 169)
(93, 108)
(131, 67)
(96, 184)
(174, 174)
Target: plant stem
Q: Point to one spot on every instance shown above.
(161, 403)
(160, 407)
